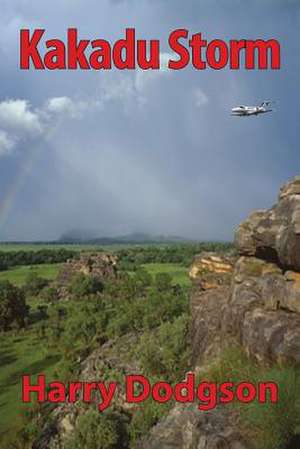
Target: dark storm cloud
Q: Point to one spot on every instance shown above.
(118, 152)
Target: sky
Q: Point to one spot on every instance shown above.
(118, 152)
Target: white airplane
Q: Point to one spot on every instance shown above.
(245, 111)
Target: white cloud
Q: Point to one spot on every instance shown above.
(20, 122)
(7, 144)
(18, 117)
(65, 106)
(200, 97)
(60, 104)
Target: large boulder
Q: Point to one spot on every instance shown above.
(274, 234)
(185, 427)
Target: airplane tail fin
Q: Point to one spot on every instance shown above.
(268, 103)
(265, 104)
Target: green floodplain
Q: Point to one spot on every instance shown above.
(24, 352)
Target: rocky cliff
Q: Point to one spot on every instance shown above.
(253, 300)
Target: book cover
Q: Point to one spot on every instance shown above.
(149, 224)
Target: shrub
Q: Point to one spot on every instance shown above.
(34, 284)
(143, 277)
(165, 352)
(13, 308)
(144, 418)
(49, 294)
(163, 281)
(273, 425)
(96, 430)
(82, 285)
(269, 425)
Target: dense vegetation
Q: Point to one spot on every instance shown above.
(133, 257)
(140, 320)
(10, 259)
(140, 305)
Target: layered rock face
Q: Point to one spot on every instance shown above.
(261, 308)
(265, 300)
(101, 266)
(263, 311)
(255, 301)
(211, 271)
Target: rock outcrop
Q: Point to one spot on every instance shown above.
(187, 428)
(261, 310)
(211, 271)
(98, 265)
(255, 302)
(274, 234)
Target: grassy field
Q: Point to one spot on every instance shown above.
(19, 355)
(176, 271)
(18, 275)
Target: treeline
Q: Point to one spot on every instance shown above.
(14, 258)
(134, 257)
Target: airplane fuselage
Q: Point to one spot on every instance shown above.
(241, 111)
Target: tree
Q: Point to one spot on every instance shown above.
(13, 308)
(82, 285)
(34, 284)
(143, 277)
(163, 281)
(50, 294)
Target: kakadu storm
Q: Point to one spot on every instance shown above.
(130, 53)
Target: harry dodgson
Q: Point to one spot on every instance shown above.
(39, 52)
(138, 389)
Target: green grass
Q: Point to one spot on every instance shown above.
(18, 275)
(19, 355)
(177, 271)
(268, 425)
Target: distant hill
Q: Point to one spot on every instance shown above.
(137, 237)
